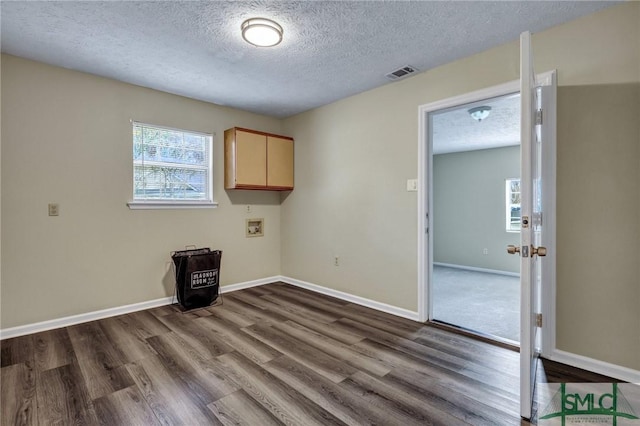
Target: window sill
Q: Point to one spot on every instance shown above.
(158, 205)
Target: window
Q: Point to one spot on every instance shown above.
(513, 205)
(171, 168)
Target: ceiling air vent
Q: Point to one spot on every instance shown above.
(400, 73)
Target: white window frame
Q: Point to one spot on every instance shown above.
(208, 202)
(509, 205)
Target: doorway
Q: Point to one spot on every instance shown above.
(425, 200)
(475, 215)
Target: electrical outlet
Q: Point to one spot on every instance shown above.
(412, 185)
(485, 251)
(54, 209)
(248, 208)
(336, 261)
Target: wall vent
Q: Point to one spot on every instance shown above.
(400, 73)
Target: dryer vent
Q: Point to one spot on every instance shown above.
(401, 73)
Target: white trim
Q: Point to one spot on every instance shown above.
(549, 159)
(596, 366)
(379, 306)
(248, 284)
(473, 268)
(110, 312)
(155, 205)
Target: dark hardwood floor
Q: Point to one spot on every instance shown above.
(269, 355)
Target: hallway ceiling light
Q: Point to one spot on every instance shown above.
(261, 32)
(480, 113)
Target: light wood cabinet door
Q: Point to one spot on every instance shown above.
(250, 159)
(257, 160)
(279, 162)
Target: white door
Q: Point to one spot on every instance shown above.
(531, 224)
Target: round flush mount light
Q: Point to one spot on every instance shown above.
(261, 32)
(480, 113)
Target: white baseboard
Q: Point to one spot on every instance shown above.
(596, 366)
(473, 268)
(379, 306)
(111, 312)
(248, 284)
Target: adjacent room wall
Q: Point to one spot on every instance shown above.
(67, 139)
(353, 158)
(469, 208)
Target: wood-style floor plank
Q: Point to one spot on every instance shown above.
(476, 409)
(125, 407)
(17, 350)
(406, 408)
(63, 397)
(204, 377)
(242, 410)
(500, 398)
(230, 316)
(320, 362)
(170, 399)
(240, 341)
(100, 364)
(205, 341)
(18, 399)
(270, 355)
(334, 348)
(281, 400)
(122, 335)
(251, 312)
(53, 349)
(428, 353)
(347, 406)
(328, 329)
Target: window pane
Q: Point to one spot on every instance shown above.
(513, 198)
(170, 164)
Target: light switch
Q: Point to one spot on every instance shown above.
(412, 185)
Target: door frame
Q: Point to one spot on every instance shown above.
(425, 201)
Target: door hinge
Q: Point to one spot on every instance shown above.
(539, 117)
(426, 228)
(539, 320)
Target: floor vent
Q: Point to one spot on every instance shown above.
(401, 72)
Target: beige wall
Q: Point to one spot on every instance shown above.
(67, 139)
(598, 290)
(353, 157)
(469, 208)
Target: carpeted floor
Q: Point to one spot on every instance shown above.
(479, 301)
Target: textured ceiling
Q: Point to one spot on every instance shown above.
(331, 49)
(454, 130)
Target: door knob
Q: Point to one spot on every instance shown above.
(513, 249)
(540, 251)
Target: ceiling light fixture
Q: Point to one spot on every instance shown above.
(480, 113)
(261, 32)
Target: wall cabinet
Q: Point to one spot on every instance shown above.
(257, 160)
